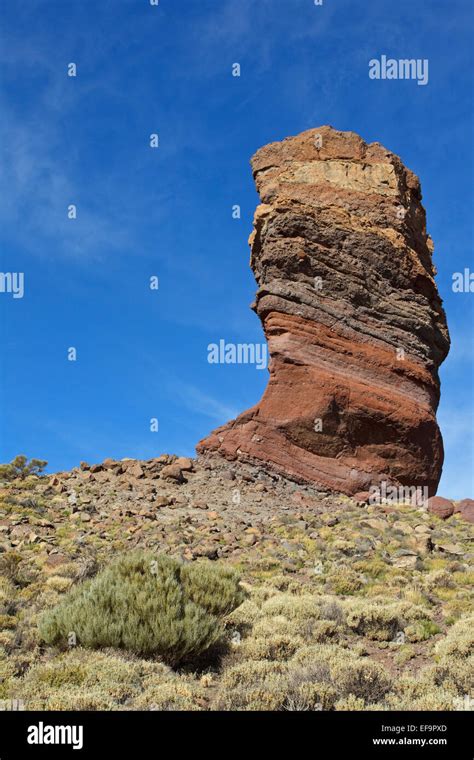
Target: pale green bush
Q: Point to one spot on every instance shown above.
(148, 605)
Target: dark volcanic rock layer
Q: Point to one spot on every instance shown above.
(355, 326)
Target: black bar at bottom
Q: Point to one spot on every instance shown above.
(133, 734)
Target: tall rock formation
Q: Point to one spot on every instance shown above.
(354, 322)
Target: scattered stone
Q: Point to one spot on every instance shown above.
(466, 509)
(422, 528)
(375, 523)
(172, 472)
(403, 527)
(72, 497)
(302, 525)
(146, 513)
(423, 544)
(162, 501)
(135, 470)
(205, 550)
(440, 507)
(184, 463)
(163, 459)
(362, 497)
(407, 562)
(55, 559)
(199, 505)
(449, 548)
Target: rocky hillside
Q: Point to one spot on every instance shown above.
(348, 605)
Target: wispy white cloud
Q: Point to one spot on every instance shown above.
(197, 401)
(37, 190)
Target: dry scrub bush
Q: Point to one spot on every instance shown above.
(349, 704)
(344, 581)
(13, 569)
(459, 642)
(454, 675)
(323, 653)
(361, 678)
(79, 678)
(171, 695)
(252, 686)
(304, 607)
(326, 675)
(148, 605)
(418, 693)
(306, 630)
(286, 622)
(303, 611)
(348, 673)
(380, 621)
(279, 646)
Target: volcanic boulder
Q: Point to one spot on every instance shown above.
(354, 322)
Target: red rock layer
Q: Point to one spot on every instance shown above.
(354, 323)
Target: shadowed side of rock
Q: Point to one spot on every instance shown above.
(354, 322)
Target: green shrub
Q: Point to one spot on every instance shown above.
(148, 605)
(422, 630)
(21, 468)
(213, 587)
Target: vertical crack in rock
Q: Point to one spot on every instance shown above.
(355, 325)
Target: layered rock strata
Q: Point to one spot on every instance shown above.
(354, 322)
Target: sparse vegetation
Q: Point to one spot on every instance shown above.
(330, 618)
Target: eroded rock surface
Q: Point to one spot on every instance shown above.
(354, 322)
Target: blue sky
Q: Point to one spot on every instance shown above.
(142, 354)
